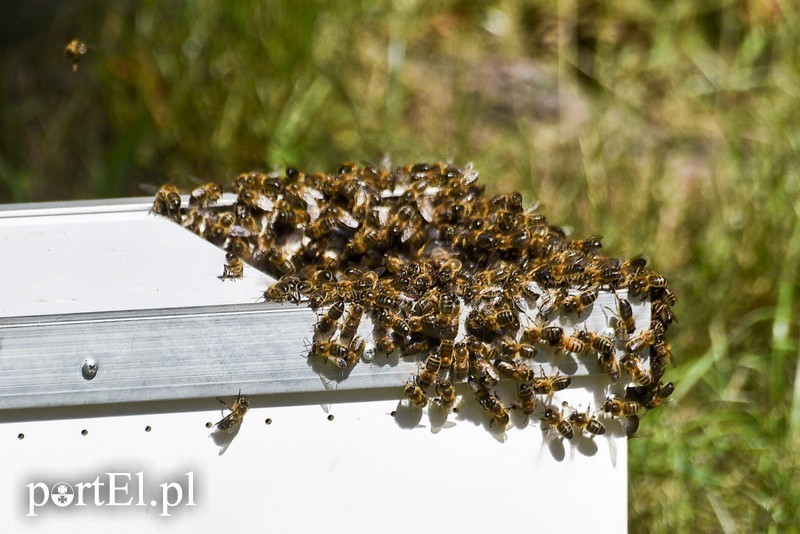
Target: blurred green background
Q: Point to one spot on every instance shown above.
(671, 128)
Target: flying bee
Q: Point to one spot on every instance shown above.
(330, 318)
(74, 52)
(231, 422)
(617, 407)
(527, 401)
(233, 269)
(352, 321)
(446, 392)
(167, 202)
(205, 195)
(415, 393)
(555, 419)
(547, 385)
(634, 367)
(586, 421)
(427, 375)
(330, 352)
(577, 303)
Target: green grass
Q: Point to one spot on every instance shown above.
(669, 128)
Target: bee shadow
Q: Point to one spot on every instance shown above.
(556, 447)
(438, 417)
(407, 416)
(585, 445)
(223, 439)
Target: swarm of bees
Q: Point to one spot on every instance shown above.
(474, 287)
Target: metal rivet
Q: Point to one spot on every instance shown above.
(89, 369)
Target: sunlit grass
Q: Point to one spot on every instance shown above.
(669, 128)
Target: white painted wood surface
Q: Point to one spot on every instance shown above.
(362, 471)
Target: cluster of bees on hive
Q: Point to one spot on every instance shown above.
(476, 288)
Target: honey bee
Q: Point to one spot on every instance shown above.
(446, 392)
(555, 419)
(512, 348)
(231, 422)
(384, 344)
(74, 52)
(449, 270)
(460, 360)
(446, 348)
(205, 195)
(627, 324)
(620, 408)
(572, 344)
(632, 364)
(415, 393)
(233, 269)
(586, 421)
(600, 343)
(427, 375)
(527, 401)
(355, 349)
(577, 303)
(484, 370)
(448, 304)
(330, 318)
(489, 401)
(547, 385)
(167, 202)
(352, 321)
(642, 341)
(643, 284)
(610, 364)
(518, 371)
(280, 261)
(330, 352)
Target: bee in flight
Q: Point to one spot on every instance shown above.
(74, 51)
(231, 422)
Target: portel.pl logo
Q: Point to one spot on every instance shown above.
(114, 490)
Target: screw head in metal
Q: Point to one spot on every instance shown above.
(89, 369)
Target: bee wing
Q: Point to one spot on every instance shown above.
(383, 216)
(265, 203)
(407, 233)
(520, 303)
(312, 207)
(470, 174)
(347, 219)
(149, 188)
(225, 421)
(238, 231)
(425, 206)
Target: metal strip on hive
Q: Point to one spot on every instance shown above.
(180, 353)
